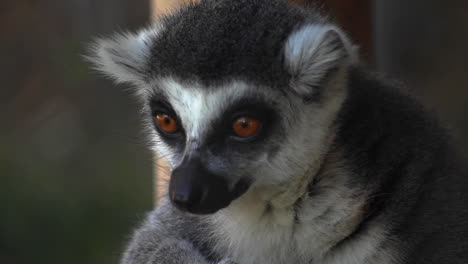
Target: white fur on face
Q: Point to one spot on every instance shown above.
(197, 107)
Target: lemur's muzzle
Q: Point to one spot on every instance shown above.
(194, 189)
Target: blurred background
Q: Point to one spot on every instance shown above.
(75, 175)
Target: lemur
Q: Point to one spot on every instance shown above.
(283, 147)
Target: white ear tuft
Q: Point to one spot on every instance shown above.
(312, 54)
(124, 57)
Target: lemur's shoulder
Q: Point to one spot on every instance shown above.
(396, 143)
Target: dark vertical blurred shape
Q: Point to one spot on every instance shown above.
(425, 43)
(74, 175)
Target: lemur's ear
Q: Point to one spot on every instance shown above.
(124, 57)
(312, 54)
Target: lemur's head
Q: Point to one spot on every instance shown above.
(236, 94)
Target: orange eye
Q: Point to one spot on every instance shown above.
(166, 123)
(246, 127)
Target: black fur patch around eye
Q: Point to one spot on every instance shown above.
(222, 137)
(160, 105)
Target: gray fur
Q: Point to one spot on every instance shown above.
(348, 168)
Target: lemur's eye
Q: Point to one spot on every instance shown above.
(246, 127)
(166, 123)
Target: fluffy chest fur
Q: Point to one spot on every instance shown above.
(258, 236)
(313, 230)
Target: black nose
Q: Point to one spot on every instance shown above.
(186, 186)
(195, 189)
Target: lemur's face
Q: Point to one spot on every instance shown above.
(222, 139)
(219, 140)
(236, 102)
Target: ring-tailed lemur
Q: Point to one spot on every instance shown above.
(283, 149)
